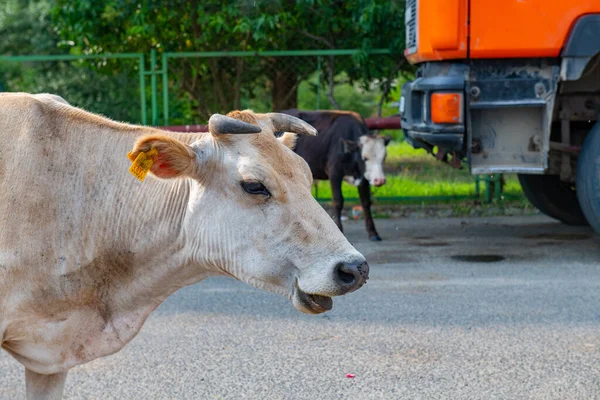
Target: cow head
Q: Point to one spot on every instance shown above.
(366, 157)
(251, 214)
(373, 153)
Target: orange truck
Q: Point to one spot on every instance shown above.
(511, 86)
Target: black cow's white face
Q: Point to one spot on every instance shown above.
(367, 158)
(373, 153)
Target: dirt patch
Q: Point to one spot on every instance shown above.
(478, 258)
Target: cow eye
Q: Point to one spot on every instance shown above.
(255, 188)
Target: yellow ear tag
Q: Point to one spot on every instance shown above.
(142, 163)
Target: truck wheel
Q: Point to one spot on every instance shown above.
(588, 177)
(553, 197)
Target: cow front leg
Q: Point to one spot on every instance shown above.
(364, 192)
(44, 387)
(337, 201)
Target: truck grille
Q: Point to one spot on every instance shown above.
(410, 21)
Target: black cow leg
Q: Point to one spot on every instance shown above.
(364, 192)
(337, 201)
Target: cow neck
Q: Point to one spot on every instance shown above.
(144, 220)
(160, 239)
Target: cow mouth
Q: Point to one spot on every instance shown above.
(310, 303)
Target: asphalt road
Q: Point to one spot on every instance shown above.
(430, 324)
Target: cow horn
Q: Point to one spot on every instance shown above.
(288, 123)
(221, 124)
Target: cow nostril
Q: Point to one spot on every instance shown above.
(351, 275)
(346, 273)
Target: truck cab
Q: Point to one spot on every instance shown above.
(511, 86)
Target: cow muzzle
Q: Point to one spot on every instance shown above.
(347, 277)
(378, 182)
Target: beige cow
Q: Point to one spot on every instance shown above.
(87, 251)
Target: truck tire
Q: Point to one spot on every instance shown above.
(588, 177)
(553, 198)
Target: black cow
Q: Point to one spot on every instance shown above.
(344, 149)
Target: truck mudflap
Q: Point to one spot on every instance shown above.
(511, 108)
(415, 107)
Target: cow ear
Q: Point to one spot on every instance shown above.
(348, 146)
(289, 139)
(170, 157)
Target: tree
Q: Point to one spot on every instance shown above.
(219, 84)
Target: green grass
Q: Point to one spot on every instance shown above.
(413, 173)
(400, 185)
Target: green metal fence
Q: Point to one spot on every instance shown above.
(316, 56)
(156, 116)
(162, 116)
